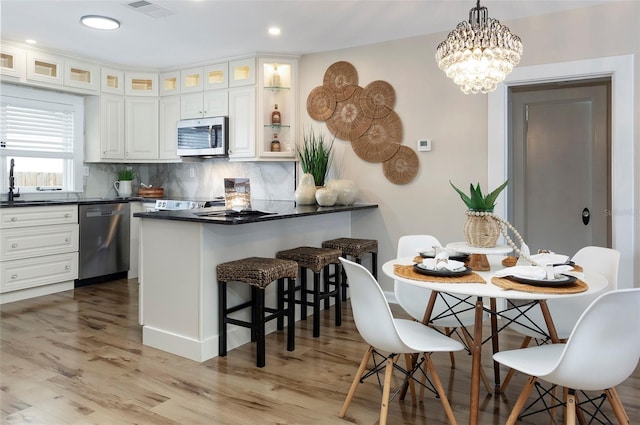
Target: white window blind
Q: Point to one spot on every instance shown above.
(44, 127)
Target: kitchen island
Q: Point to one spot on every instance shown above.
(179, 252)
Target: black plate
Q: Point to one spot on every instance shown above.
(442, 273)
(461, 257)
(564, 280)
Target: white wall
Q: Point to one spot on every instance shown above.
(431, 106)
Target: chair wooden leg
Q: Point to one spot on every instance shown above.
(408, 358)
(616, 405)
(452, 357)
(507, 379)
(440, 389)
(386, 389)
(356, 381)
(571, 408)
(522, 399)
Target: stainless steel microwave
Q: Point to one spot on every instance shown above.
(205, 137)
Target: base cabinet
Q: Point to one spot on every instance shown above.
(39, 247)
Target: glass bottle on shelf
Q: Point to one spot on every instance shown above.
(275, 116)
(275, 144)
(275, 77)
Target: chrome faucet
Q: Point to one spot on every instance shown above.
(12, 182)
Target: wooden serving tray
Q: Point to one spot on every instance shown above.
(153, 192)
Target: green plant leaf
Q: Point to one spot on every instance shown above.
(315, 156)
(476, 201)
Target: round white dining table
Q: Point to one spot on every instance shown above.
(595, 282)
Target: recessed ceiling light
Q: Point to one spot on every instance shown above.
(100, 22)
(30, 41)
(274, 31)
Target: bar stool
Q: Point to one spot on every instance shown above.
(259, 273)
(356, 249)
(316, 260)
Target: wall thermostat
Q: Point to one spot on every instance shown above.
(424, 145)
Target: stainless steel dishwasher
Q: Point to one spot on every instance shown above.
(104, 242)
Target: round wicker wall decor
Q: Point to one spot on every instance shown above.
(342, 78)
(378, 99)
(402, 167)
(321, 103)
(348, 122)
(381, 140)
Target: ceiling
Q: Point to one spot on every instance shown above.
(187, 32)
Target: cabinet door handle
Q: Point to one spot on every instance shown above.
(14, 245)
(14, 276)
(67, 267)
(67, 240)
(67, 215)
(14, 218)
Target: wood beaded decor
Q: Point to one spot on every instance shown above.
(364, 117)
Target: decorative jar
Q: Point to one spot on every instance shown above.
(306, 192)
(326, 197)
(481, 229)
(346, 191)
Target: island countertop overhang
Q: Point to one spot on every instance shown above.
(270, 210)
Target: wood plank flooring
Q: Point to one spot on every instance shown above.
(76, 358)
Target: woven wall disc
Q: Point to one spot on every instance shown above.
(402, 167)
(342, 78)
(348, 122)
(381, 140)
(321, 103)
(378, 99)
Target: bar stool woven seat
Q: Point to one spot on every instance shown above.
(356, 249)
(258, 272)
(317, 260)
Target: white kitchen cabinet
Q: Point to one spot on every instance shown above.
(39, 247)
(242, 123)
(13, 61)
(141, 84)
(81, 75)
(277, 83)
(44, 67)
(216, 76)
(169, 83)
(213, 103)
(191, 80)
(141, 128)
(104, 128)
(169, 115)
(242, 72)
(112, 81)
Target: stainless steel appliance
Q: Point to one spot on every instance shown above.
(104, 242)
(206, 137)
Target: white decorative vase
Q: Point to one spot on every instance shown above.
(346, 190)
(306, 191)
(326, 197)
(123, 187)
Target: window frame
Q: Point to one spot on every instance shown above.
(72, 175)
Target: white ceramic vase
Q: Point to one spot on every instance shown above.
(346, 190)
(306, 192)
(326, 197)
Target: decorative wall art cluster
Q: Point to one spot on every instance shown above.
(364, 117)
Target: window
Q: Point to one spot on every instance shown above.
(43, 132)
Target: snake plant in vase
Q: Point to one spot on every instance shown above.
(481, 228)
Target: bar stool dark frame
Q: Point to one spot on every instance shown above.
(318, 295)
(259, 311)
(355, 249)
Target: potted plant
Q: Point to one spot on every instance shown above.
(123, 185)
(126, 174)
(481, 229)
(315, 156)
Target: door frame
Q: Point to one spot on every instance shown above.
(620, 69)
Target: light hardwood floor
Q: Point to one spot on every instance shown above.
(76, 358)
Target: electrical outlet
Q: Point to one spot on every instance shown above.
(85, 171)
(424, 145)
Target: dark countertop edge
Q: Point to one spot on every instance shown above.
(90, 201)
(188, 216)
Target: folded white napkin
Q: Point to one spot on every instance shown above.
(430, 252)
(550, 258)
(531, 272)
(434, 264)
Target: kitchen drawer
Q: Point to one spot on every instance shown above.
(32, 272)
(37, 241)
(38, 216)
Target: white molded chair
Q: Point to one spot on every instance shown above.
(414, 299)
(383, 332)
(565, 313)
(602, 351)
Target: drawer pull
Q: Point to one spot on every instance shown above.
(14, 218)
(67, 215)
(14, 245)
(14, 276)
(67, 267)
(67, 240)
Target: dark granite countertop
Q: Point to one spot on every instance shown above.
(261, 211)
(79, 201)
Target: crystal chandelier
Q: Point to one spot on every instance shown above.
(479, 54)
